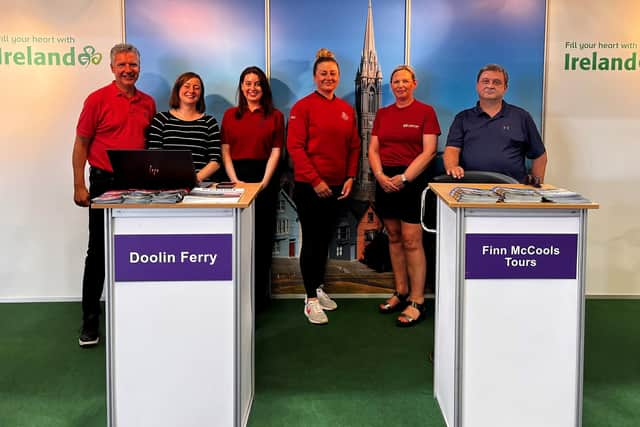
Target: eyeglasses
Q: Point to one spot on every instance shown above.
(487, 82)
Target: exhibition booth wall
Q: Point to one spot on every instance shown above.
(563, 62)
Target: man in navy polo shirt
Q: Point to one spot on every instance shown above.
(494, 136)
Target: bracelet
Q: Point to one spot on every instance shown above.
(404, 178)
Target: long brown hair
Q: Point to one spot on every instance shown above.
(266, 101)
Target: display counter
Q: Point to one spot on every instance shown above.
(509, 311)
(179, 310)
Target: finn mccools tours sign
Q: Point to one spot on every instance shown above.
(172, 257)
(521, 256)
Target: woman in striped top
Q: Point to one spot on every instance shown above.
(186, 126)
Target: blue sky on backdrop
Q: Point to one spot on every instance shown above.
(298, 30)
(215, 38)
(450, 41)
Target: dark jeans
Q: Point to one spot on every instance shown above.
(266, 206)
(93, 279)
(317, 220)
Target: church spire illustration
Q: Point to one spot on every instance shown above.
(368, 100)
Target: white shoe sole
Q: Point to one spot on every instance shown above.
(89, 343)
(314, 322)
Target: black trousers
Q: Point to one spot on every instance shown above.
(317, 220)
(93, 278)
(266, 206)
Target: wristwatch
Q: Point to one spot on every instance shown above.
(404, 179)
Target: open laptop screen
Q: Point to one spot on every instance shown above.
(152, 169)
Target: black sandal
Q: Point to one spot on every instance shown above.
(408, 320)
(388, 308)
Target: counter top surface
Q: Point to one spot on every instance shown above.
(248, 196)
(443, 191)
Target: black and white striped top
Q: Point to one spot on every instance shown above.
(200, 136)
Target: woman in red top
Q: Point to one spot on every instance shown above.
(252, 139)
(324, 146)
(403, 144)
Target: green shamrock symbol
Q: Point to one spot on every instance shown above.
(89, 56)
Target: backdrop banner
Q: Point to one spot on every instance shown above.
(52, 55)
(592, 123)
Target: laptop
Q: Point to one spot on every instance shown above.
(153, 169)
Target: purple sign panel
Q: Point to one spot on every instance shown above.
(173, 257)
(521, 256)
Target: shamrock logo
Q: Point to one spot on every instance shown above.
(89, 56)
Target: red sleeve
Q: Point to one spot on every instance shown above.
(376, 123)
(297, 137)
(88, 121)
(226, 126)
(153, 107)
(278, 132)
(354, 150)
(431, 125)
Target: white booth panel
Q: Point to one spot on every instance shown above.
(520, 357)
(173, 342)
(520, 337)
(169, 330)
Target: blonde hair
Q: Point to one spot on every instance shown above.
(403, 67)
(324, 55)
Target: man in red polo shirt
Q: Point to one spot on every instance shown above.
(113, 117)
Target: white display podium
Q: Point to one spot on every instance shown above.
(180, 321)
(509, 311)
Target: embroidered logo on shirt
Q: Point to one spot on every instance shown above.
(292, 117)
(409, 125)
(506, 127)
(345, 116)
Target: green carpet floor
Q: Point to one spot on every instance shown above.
(360, 370)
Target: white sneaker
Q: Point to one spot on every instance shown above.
(314, 312)
(326, 302)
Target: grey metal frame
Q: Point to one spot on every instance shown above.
(108, 250)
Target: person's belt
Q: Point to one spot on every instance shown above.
(100, 173)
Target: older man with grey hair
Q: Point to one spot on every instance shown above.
(115, 116)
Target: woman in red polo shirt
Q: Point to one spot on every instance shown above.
(403, 144)
(252, 139)
(324, 146)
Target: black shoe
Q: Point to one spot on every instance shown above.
(386, 307)
(406, 321)
(89, 335)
